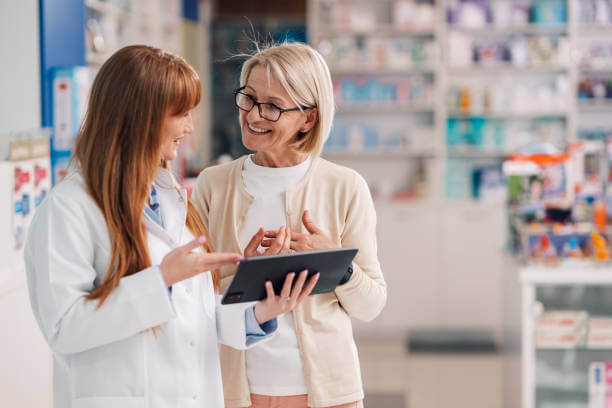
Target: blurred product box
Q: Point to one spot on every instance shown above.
(600, 333)
(70, 91)
(561, 329)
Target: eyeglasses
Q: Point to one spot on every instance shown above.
(268, 111)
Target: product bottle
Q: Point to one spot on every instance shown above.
(599, 215)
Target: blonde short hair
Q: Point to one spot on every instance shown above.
(303, 73)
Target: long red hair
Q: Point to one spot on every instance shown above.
(118, 149)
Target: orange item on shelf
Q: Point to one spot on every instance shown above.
(547, 250)
(600, 244)
(465, 103)
(599, 215)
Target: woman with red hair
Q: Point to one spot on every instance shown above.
(121, 272)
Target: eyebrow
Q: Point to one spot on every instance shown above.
(271, 99)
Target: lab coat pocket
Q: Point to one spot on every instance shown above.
(116, 369)
(106, 402)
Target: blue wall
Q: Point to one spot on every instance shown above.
(62, 43)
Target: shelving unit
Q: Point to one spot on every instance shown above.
(554, 374)
(506, 70)
(511, 115)
(339, 30)
(408, 63)
(490, 29)
(431, 224)
(112, 24)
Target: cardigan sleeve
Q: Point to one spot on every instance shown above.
(365, 294)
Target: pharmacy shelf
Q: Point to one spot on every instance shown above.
(102, 7)
(595, 106)
(580, 273)
(581, 349)
(544, 29)
(386, 71)
(380, 107)
(596, 70)
(111, 7)
(505, 70)
(594, 29)
(476, 154)
(380, 30)
(511, 115)
(378, 154)
(532, 277)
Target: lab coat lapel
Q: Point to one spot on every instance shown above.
(172, 203)
(156, 229)
(173, 212)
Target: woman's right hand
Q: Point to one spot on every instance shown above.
(182, 263)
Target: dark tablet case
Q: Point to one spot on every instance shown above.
(248, 282)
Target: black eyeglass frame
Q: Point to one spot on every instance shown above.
(258, 104)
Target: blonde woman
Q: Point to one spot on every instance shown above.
(285, 192)
(119, 284)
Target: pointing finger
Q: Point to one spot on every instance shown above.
(254, 242)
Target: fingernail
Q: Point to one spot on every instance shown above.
(304, 271)
(317, 275)
(202, 239)
(240, 258)
(268, 283)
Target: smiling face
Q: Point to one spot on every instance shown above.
(264, 136)
(174, 129)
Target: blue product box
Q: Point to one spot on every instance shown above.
(549, 11)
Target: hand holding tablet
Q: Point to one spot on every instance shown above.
(291, 295)
(249, 281)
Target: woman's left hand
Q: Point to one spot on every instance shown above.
(279, 245)
(314, 239)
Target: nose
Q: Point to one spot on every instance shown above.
(253, 115)
(189, 124)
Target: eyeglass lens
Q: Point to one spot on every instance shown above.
(266, 110)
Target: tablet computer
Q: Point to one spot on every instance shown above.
(248, 283)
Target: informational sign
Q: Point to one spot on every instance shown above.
(31, 183)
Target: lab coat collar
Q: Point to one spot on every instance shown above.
(175, 215)
(164, 179)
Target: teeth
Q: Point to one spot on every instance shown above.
(254, 129)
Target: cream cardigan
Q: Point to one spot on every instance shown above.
(340, 204)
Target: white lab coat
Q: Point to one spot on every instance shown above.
(108, 357)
